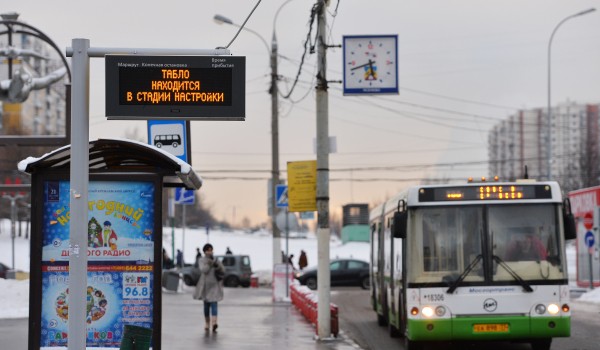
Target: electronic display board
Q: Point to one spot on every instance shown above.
(178, 87)
(485, 192)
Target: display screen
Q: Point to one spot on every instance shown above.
(186, 87)
(485, 192)
(159, 86)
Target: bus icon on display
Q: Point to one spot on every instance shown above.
(172, 140)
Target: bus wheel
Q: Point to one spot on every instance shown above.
(541, 344)
(381, 321)
(174, 145)
(393, 331)
(412, 345)
(158, 145)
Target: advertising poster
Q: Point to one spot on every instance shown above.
(120, 249)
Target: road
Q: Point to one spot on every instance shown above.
(358, 322)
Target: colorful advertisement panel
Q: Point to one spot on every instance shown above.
(120, 261)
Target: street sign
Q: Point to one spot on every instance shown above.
(172, 136)
(302, 182)
(282, 196)
(183, 196)
(589, 239)
(179, 87)
(307, 215)
(588, 220)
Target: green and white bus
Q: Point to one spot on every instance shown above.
(473, 262)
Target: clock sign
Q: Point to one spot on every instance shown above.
(370, 64)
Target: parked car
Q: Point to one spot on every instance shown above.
(344, 272)
(237, 271)
(3, 270)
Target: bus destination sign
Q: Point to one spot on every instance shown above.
(181, 87)
(484, 193)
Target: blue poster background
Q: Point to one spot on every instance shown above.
(120, 261)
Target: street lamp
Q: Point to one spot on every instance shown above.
(549, 86)
(274, 92)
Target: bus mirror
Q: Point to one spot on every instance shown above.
(570, 227)
(399, 224)
(569, 221)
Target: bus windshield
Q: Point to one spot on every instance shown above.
(485, 244)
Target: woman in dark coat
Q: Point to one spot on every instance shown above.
(302, 260)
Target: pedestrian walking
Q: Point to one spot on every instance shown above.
(167, 262)
(291, 261)
(210, 286)
(302, 260)
(179, 258)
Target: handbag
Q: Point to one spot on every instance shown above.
(219, 274)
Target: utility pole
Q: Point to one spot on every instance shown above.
(275, 152)
(323, 231)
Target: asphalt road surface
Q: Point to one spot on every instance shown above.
(359, 323)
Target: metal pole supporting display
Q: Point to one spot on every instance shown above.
(79, 179)
(79, 173)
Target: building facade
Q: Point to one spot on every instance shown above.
(522, 140)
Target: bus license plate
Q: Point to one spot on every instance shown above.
(491, 328)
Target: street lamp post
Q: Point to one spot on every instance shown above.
(274, 92)
(549, 87)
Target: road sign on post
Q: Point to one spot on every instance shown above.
(183, 196)
(172, 136)
(282, 196)
(302, 181)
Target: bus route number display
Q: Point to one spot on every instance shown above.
(182, 87)
(485, 192)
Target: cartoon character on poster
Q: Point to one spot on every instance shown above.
(94, 234)
(103, 311)
(110, 236)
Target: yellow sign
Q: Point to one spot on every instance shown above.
(302, 186)
(491, 328)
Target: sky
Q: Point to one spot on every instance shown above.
(463, 66)
(15, 294)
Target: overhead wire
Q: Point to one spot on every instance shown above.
(307, 43)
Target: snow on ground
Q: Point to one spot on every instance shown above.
(14, 294)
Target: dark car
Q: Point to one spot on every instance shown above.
(3, 270)
(344, 272)
(237, 271)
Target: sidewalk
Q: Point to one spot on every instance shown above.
(248, 319)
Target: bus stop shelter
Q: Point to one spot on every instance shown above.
(124, 240)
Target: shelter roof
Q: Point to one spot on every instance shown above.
(120, 155)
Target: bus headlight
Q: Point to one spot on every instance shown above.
(540, 309)
(414, 311)
(553, 309)
(427, 311)
(440, 311)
